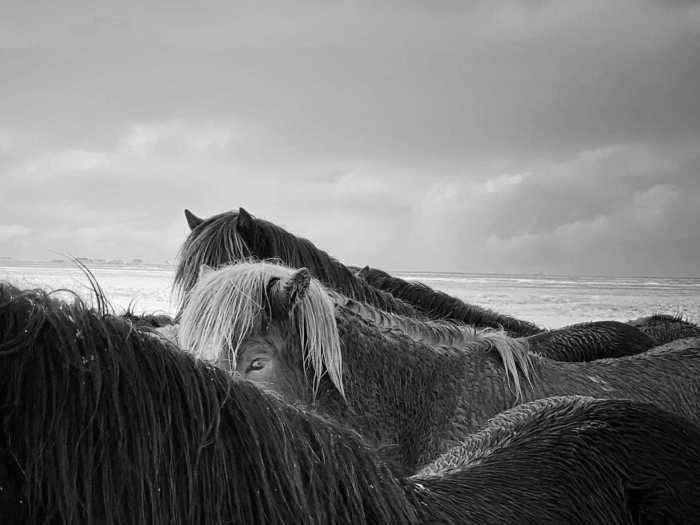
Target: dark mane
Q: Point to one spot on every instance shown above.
(108, 424)
(223, 239)
(437, 304)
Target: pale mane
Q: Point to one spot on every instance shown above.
(226, 305)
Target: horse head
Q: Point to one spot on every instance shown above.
(271, 324)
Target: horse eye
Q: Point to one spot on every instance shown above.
(255, 364)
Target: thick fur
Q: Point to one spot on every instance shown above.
(664, 328)
(417, 400)
(111, 425)
(589, 341)
(102, 423)
(538, 451)
(225, 238)
(439, 305)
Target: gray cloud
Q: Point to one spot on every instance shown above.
(517, 136)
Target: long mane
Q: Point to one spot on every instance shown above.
(437, 304)
(108, 424)
(225, 306)
(219, 241)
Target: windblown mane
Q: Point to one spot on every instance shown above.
(225, 306)
(219, 240)
(111, 425)
(514, 354)
(437, 304)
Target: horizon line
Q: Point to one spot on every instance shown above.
(138, 261)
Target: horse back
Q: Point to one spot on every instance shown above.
(668, 377)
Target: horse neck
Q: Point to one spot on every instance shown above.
(413, 396)
(425, 331)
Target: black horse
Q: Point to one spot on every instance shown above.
(104, 423)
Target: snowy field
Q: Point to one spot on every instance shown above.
(549, 301)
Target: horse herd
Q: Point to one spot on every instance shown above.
(290, 388)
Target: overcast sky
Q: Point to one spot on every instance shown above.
(494, 136)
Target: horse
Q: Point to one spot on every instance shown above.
(577, 342)
(102, 422)
(439, 305)
(281, 328)
(105, 423)
(234, 236)
(554, 427)
(663, 328)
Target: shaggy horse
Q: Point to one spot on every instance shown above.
(439, 305)
(664, 328)
(578, 342)
(279, 327)
(554, 427)
(102, 423)
(235, 236)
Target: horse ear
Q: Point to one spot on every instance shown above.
(296, 287)
(362, 272)
(286, 293)
(192, 220)
(245, 220)
(204, 269)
